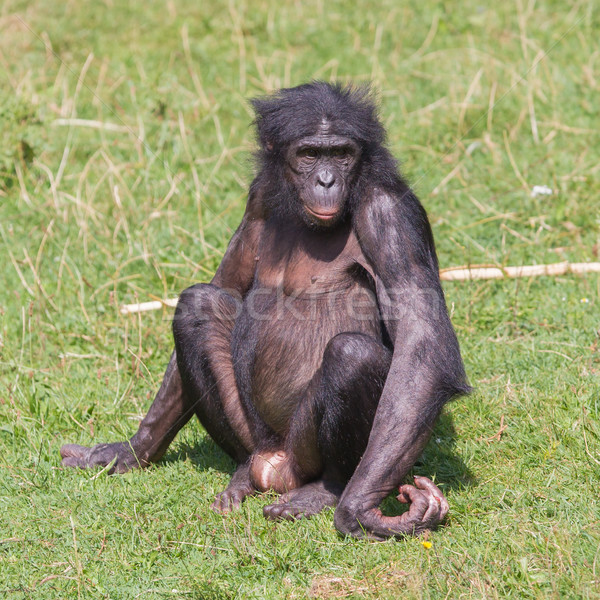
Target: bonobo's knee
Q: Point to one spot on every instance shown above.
(351, 354)
(196, 302)
(202, 303)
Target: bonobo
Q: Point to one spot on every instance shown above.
(321, 353)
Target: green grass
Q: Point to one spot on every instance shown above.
(482, 101)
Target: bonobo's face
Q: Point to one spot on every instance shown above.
(322, 169)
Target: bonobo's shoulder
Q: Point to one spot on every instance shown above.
(383, 203)
(255, 206)
(392, 214)
(378, 198)
(253, 221)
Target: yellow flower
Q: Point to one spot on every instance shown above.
(427, 545)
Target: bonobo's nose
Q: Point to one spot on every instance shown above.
(326, 178)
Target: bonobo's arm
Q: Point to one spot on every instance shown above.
(236, 271)
(426, 369)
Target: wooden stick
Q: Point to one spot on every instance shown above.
(462, 274)
(129, 309)
(450, 274)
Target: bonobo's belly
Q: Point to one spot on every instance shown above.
(279, 340)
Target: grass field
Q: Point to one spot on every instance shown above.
(124, 164)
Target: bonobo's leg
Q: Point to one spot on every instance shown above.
(199, 379)
(330, 431)
(202, 328)
(167, 415)
(331, 426)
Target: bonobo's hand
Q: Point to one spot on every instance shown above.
(101, 455)
(428, 507)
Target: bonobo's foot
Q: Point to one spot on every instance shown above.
(239, 487)
(273, 471)
(101, 455)
(305, 501)
(428, 507)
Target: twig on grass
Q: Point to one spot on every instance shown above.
(129, 309)
(488, 272)
(450, 274)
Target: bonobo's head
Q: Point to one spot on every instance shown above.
(322, 168)
(316, 140)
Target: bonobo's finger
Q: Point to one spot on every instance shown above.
(444, 509)
(423, 483)
(409, 494)
(403, 495)
(426, 484)
(234, 500)
(432, 515)
(216, 504)
(419, 502)
(278, 510)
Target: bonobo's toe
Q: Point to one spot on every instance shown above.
(229, 500)
(304, 502)
(120, 454)
(74, 455)
(239, 487)
(283, 511)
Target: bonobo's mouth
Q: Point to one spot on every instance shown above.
(322, 215)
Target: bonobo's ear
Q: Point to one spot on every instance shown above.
(261, 108)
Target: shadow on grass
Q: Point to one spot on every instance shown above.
(438, 462)
(202, 451)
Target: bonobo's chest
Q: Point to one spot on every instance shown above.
(308, 261)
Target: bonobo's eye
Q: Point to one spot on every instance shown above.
(342, 152)
(309, 153)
